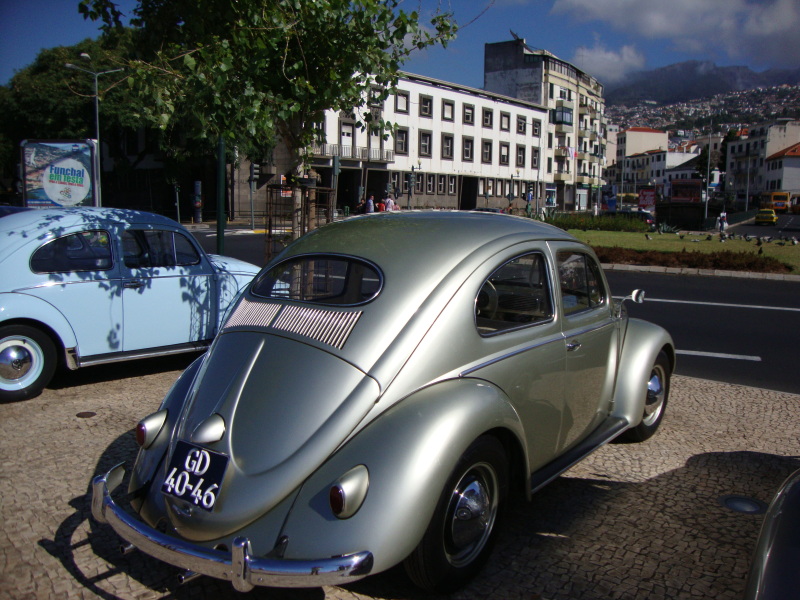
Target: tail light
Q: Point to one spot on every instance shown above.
(348, 493)
(148, 428)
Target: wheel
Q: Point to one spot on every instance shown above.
(655, 403)
(460, 534)
(27, 362)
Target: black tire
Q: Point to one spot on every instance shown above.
(27, 362)
(453, 549)
(655, 403)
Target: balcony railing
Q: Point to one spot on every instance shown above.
(352, 152)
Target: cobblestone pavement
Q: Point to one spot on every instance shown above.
(632, 521)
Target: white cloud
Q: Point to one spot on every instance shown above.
(608, 66)
(762, 32)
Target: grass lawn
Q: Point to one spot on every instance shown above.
(786, 253)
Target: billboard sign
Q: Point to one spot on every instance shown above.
(58, 173)
(647, 199)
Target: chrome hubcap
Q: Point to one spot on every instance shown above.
(16, 361)
(471, 515)
(654, 403)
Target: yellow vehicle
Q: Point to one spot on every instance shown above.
(766, 216)
(777, 201)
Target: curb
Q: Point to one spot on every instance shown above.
(702, 272)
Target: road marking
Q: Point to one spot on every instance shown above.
(719, 355)
(786, 308)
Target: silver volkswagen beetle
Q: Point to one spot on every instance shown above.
(378, 393)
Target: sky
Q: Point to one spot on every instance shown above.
(606, 38)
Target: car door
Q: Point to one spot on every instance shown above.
(516, 318)
(590, 336)
(168, 290)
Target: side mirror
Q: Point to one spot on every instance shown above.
(636, 296)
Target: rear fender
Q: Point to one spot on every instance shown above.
(643, 341)
(409, 452)
(24, 307)
(148, 460)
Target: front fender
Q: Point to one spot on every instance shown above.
(643, 341)
(18, 306)
(409, 451)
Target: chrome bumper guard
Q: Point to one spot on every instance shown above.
(239, 567)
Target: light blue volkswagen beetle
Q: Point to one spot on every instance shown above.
(378, 393)
(84, 286)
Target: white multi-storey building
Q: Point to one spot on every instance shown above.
(461, 147)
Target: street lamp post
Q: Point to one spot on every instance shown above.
(95, 74)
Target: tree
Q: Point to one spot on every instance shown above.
(255, 71)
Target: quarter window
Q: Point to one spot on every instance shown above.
(157, 248)
(582, 285)
(84, 251)
(516, 295)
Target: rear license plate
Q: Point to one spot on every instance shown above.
(195, 474)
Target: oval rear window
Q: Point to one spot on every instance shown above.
(320, 279)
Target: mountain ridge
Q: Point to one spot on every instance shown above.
(690, 80)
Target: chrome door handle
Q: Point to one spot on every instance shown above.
(134, 284)
(573, 345)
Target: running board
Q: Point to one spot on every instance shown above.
(606, 432)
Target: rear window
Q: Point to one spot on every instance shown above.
(83, 251)
(320, 279)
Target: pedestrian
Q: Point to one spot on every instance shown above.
(381, 206)
(370, 204)
(389, 203)
(723, 222)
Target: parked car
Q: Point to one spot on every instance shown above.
(378, 393)
(766, 216)
(85, 286)
(773, 571)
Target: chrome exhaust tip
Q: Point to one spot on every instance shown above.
(126, 549)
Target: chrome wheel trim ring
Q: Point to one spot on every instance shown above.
(471, 514)
(21, 362)
(656, 395)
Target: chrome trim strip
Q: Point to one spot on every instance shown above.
(558, 337)
(239, 567)
(101, 359)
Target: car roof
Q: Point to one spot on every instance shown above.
(418, 237)
(19, 227)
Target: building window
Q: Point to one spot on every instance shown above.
(536, 128)
(447, 146)
(522, 125)
(469, 114)
(451, 185)
(375, 99)
(488, 117)
(520, 156)
(534, 158)
(490, 187)
(396, 182)
(430, 186)
(419, 183)
(562, 116)
(505, 121)
(442, 183)
(448, 110)
(486, 152)
(401, 141)
(425, 143)
(468, 149)
(425, 106)
(504, 151)
(401, 102)
(549, 165)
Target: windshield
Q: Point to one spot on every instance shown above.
(320, 279)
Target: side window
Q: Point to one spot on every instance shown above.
(84, 251)
(155, 248)
(515, 295)
(581, 283)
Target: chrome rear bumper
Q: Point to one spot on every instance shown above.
(239, 567)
